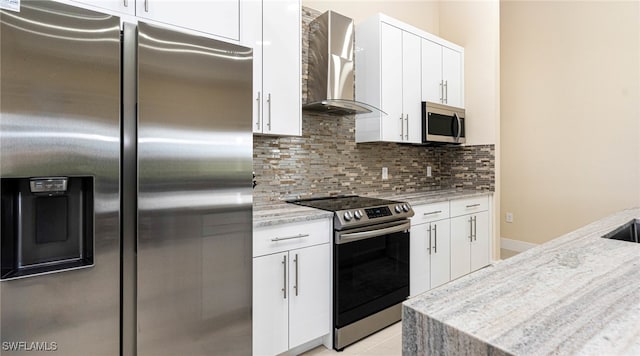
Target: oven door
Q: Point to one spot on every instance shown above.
(442, 123)
(371, 270)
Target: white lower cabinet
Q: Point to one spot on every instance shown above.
(470, 245)
(448, 240)
(429, 257)
(270, 307)
(291, 287)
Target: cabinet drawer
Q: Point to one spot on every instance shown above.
(430, 212)
(469, 205)
(274, 239)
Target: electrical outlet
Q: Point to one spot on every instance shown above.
(509, 217)
(428, 171)
(385, 173)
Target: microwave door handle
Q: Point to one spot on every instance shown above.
(459, 126)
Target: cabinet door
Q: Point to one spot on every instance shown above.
(460, 246)
(411, 87)
(281, 67)
(251, 36)
(220, 17)
(124, 6)
(270, 305)
(431, 71)
(391, 82)
(480, 243)
(310, 290)
(419, 256)
(452, 75)
(440, 252)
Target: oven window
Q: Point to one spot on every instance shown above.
(369, 276)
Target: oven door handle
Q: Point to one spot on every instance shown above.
(361, 235)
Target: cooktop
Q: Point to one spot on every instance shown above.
(343, 202)
(353, 210)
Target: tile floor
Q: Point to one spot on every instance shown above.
(386, 342)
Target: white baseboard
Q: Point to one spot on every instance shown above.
(515, 245)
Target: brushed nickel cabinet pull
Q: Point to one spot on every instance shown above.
(126, 3)
(475, 228)
(470, 229)
(299, 236)
(146, 5)
(446, 92)
(284, 269)
(433, 212)
(259, 100)
(401, 127)
(296, 286)
(435, 234)
(269, 102)
(441, 91)
(407, 120)
(429, 246)
(473, 205)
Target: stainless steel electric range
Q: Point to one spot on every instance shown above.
(370, 263)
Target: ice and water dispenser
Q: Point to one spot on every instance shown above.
(47, 225)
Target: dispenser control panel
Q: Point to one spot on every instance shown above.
(48, 185)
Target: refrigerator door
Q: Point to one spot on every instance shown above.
(60, 113)
(194, 195)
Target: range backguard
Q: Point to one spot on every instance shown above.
(47, 225)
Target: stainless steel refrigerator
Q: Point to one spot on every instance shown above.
(125, 166)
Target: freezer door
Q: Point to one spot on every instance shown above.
(194, 195)
(60, 112)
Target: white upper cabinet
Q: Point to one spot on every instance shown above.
(272, 29)
(390, 83)
(452, 69)
(219, 17)
(411, 89)
(397, 67)
(389, 78)
(432, 85)
(124, 6)
(442, 74)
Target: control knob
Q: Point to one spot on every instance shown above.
(405, 207)
(398, 209)
(357, 214)
(347, 216)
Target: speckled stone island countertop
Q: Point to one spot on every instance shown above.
(284, 213)
(577, 294)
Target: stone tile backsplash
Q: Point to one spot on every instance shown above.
(326, 160)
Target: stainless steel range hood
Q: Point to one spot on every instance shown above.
(331, 77)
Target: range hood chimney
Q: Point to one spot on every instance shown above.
(331, 78)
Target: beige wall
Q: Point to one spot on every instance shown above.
(570, 114)
(421, 14)
(475, 25)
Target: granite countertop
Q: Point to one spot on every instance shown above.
(577, 294)
(284, 213)
(435, 196)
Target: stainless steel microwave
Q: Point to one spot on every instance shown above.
(442, 123)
